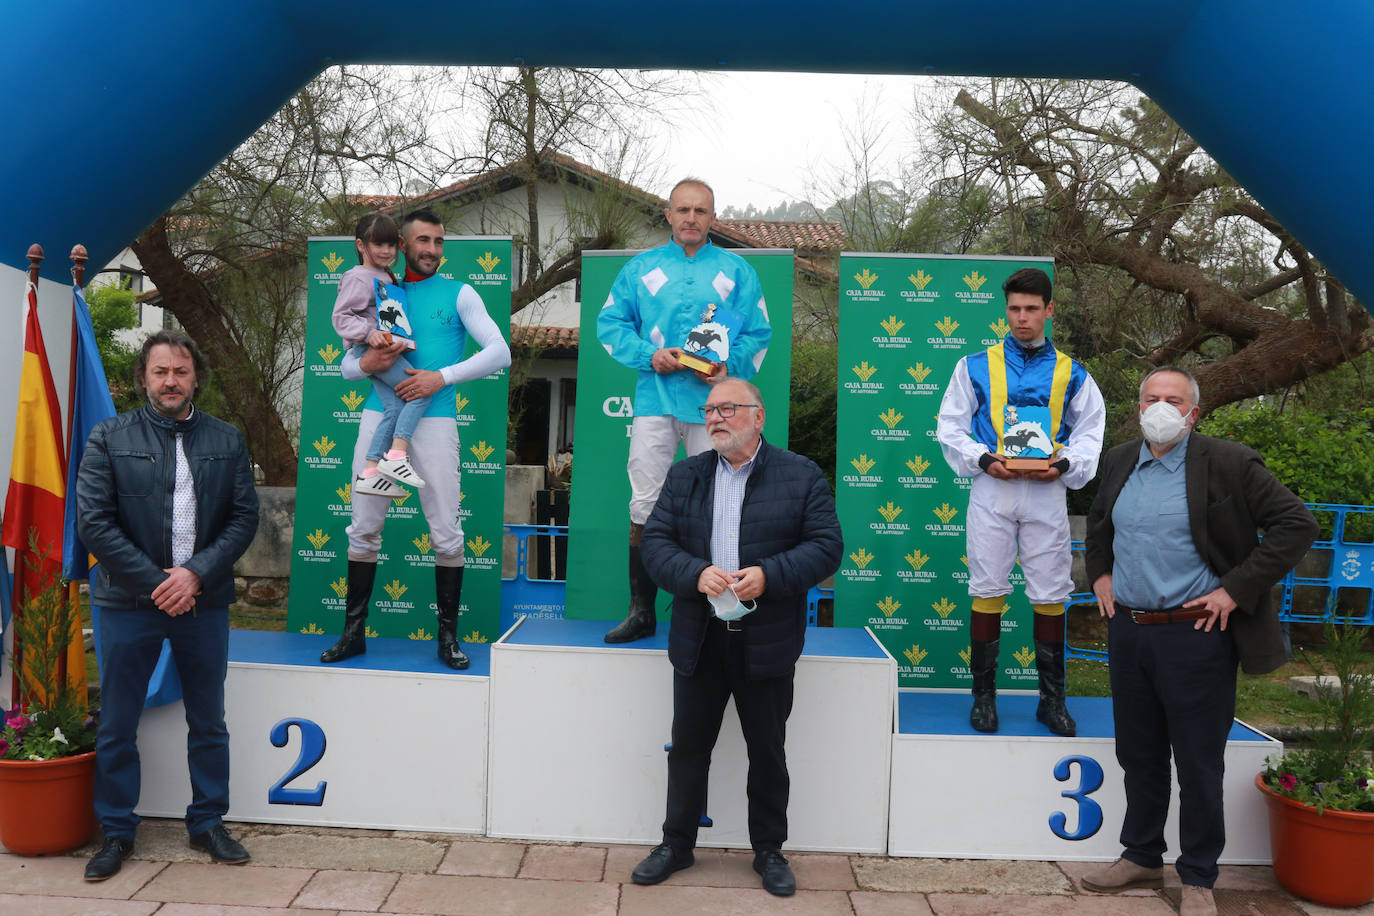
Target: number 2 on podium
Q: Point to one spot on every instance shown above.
(312, 751)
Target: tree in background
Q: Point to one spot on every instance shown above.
(113, 310)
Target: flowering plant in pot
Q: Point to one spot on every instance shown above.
(47, 746)
(1321, 797)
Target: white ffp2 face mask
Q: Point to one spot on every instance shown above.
(728, 606)
(1162, 424)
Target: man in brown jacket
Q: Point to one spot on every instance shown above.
(1176, 561)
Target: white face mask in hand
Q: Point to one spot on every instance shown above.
(1162, 424)
(728, 606)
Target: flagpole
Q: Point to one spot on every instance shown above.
(78, 259)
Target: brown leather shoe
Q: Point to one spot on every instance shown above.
(1122, 875)
(1197, 901)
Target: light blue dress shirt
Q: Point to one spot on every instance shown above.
(1155, 563)
(729, 497)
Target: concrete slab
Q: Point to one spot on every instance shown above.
(817, 872)
(877, 903)
(485, 860)
(1022, 905)
(346, 890)
(214, 909)
(62, 876)
(960, 876)
(376, 853)
(239, 885)
(453, 895)
(72, 906)
(565, 863)
(713, 901)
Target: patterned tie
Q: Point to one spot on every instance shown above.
(183, 510)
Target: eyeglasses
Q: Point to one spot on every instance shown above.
(726, 410)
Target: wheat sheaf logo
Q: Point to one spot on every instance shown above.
(944, 512)
(324, 445)
(317, 538)
(395, 589)
(890, 417)
(916, 559)
(974, 280)
(966, 654)
(944, 607)
(963, 558)
(462, 402)
(866, 278)
(863, 464)
(340, 586)
(892, 324)
(890, 511)
(331, 261)
(918, 465)
(488, 261)
(888, 606)
(920, 279)
(482, 451)
(419, 635)
(918, 372)
(864, 371)
(478, 545)
(421, 543)
(370, 632)
(474, 636)
(312, 629)
(329, 353)
(861, 558)
(352, 399)
(1024, 656)
(948, 326)
(401, 500)
(1000, 327)
(915, 654)
(345, 493)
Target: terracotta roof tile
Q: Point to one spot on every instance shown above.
(805, 236)
(548, 338)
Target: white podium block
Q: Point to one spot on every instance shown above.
(1023, 793)
(579, 729)
(391, 739)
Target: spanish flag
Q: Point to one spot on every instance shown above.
(35, 502)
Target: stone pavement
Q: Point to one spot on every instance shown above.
(335, 871)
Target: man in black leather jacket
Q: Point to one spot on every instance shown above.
(165, 502)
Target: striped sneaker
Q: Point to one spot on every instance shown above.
(377, 485)
(400, 470)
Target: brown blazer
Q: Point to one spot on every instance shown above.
(1232, 498)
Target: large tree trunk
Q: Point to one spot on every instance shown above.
(187, 298)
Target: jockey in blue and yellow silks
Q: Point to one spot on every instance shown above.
(1021, 514)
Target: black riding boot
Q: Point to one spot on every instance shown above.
(983, 666)
(641, 621)
(448, 584)
(1049, 661)
(353, 640)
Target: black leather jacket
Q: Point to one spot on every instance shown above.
(124, 505)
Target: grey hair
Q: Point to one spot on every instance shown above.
(748, 386)
(1177, 370)
(697, 181)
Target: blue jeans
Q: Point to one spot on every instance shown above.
(399, 418)
(131, 640)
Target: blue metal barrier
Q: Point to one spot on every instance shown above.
(522, 594)
(1350, 565)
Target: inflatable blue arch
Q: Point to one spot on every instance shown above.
(113, 109)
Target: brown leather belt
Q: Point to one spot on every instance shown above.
(1168, 615)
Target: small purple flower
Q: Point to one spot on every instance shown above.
(1288, 782)
(1362, 784)
(17, 721)
(4, 747)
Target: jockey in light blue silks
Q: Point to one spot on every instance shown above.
(1021, 513)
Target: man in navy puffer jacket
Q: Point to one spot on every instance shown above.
(744, 524)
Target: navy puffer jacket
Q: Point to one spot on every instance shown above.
(788, 527)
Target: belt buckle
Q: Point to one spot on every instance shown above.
(733, 626)
(1136, 615)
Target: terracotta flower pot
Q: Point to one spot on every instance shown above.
(1326, 858)
(46, 805)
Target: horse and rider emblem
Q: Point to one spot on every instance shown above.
(711, 338)
(1025, 432)
(391, 312)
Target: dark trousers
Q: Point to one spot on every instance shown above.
(698, 706)
(1173, 688)
(130, 642)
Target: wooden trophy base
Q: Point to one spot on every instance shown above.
(695, 362)
(1027, 464)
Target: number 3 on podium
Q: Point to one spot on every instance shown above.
(1089, 811)
(312, 752)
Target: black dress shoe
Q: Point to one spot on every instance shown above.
(778, 879)
(110, 859)
(661, 863)
(220, 845)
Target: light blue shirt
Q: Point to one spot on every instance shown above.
(729, 497)
(1155, 563)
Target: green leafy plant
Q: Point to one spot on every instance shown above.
(50, 720)
(1335, 772)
